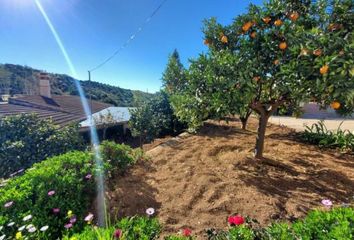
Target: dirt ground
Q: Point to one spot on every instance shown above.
(197, 181)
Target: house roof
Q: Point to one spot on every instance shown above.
(63, 110)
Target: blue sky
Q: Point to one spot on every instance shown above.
(91, 30)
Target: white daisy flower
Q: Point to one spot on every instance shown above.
(11, 224)
(150, 211)
(22, 228)
(28, 217)
(32, 229)
(44, 228)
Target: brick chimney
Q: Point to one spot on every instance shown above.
(44, 85)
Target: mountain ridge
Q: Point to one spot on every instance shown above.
(18, 79)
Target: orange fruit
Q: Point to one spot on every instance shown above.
(276, 62)
(207, 42)
(253, 34)
(224, 39)
(294, 16)
(335, 105)
(324, 69)
(247, 26)
(266, 19)
(278, 22)
(317, 52)
(283, 45)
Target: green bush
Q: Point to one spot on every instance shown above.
(119, 156)
(133, 228)
(71, 177)
(154, 118)
(26, 139)
(319, 134)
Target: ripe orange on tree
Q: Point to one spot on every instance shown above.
(283, 45)
(266, 19)
(247, 26)
(276, 62)
(207, 42)
(253, 34)
(278, 22)
(335, 105)
(294, 16)
(224, 39)
(324, 69)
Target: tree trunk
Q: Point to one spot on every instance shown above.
(243, 123)
(262, 126)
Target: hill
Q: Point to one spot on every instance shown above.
(17, 79)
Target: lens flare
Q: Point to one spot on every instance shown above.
(101, 208)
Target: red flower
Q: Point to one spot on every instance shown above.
(187, 232)
(236, 220)
(117, 233)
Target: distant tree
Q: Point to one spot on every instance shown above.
(26, 139)
(174, 75)
(154, 118)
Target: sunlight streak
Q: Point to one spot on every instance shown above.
(94, 137)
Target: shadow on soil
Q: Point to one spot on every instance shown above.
(131, 194)
(218, 130)
(282, 181)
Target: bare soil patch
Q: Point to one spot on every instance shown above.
(197, 181)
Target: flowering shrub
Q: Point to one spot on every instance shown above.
(125, 229)
(54, 197)
(26, 139)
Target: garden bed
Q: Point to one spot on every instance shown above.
(197, 181)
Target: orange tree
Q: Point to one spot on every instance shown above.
(290, 52)
(211, 90)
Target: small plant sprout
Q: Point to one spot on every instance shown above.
(44, 228)
(327, 203)
(51, 193)
(8, 204)
(150, 211)
(27, 218)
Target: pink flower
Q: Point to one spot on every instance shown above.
(235, 220)
(56, 210)
(73, 219)
(51, 193)
(8, 204)
(117, 233)
(88, 176)
(327, 203)
(187, 232)
(69, 225)
(89, 217)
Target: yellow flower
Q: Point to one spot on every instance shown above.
(70, 213)
(18, 235)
